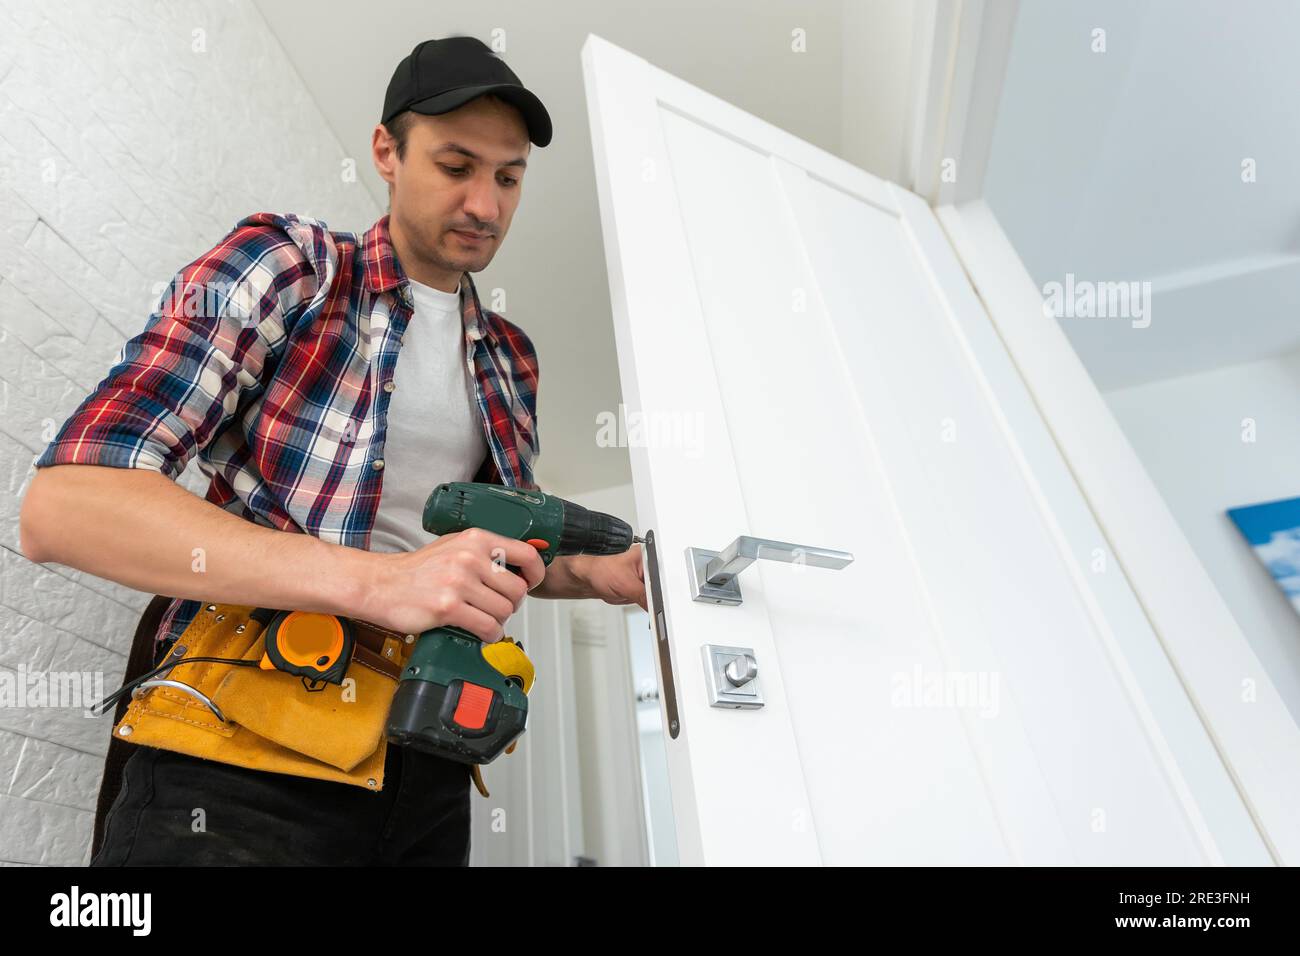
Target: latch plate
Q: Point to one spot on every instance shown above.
(722, 693)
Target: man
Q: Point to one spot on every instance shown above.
(274, 358)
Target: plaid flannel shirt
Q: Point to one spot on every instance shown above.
(271, 358)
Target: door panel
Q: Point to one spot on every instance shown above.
(957, 694)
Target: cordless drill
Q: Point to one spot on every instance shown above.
(458, 697)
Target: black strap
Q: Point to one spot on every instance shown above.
(139, 661)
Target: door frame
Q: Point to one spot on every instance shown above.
(960, 53)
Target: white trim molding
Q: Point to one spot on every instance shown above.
(1254, 732)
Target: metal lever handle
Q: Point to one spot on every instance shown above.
(742, 552)
(713, 573)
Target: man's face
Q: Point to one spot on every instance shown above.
(456, 188)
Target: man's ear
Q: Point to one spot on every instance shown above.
(383, 153)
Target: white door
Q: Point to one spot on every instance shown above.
(803, 360)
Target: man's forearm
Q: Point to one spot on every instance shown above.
(565, 578)
(142, 530)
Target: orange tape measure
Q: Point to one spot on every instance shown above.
(317, 647)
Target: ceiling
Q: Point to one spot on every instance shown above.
(1126, 165)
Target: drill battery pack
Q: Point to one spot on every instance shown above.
(462, 699)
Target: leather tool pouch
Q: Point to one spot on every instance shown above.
(272, 720)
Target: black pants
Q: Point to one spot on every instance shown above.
(253, 817)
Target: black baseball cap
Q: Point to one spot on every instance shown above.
(440, 75)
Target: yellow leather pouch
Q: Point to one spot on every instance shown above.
(270, 720)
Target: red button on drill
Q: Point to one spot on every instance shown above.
(473, 706)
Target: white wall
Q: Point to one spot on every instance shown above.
(1188, 432)
(613, 813)
(877, 43)
(132, 138)
(533, 815)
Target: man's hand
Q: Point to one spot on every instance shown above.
(459, 579)
(616, 578)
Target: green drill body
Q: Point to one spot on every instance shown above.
(441, 703)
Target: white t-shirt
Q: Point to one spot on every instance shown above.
(435, 432)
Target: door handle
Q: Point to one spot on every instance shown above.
(714, 574)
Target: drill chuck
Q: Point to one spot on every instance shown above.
(593, 532)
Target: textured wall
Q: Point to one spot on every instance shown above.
(133, 136)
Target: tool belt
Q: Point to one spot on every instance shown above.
(267, 719)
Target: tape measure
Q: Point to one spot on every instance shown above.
(316, 647)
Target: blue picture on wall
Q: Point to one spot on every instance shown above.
(1273, 530)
